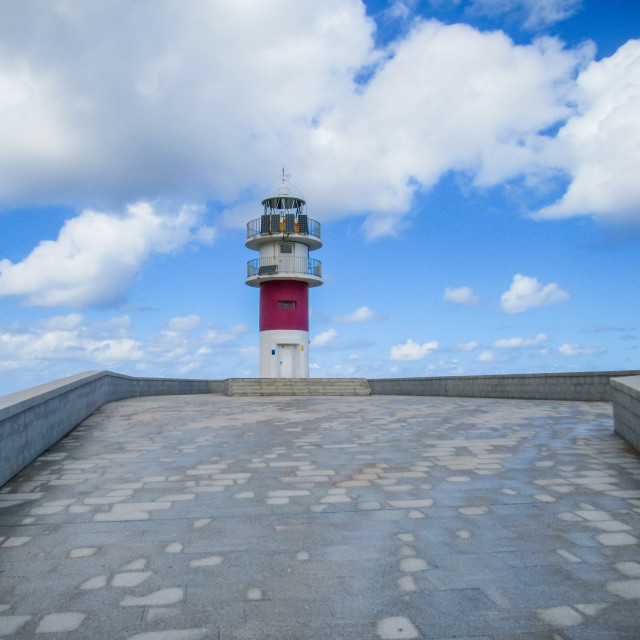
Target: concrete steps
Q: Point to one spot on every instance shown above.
(296, 387)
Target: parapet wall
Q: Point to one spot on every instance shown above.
(625, 396)
(587, 387)
(33, 420)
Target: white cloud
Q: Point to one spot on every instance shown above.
(68, 323)
(399, 9)
(527, 293)
(250, 353)
(361, 314)
(324, 338)
(536, 14)
(82, 124)
(468, 346)
(173, 103)
(340, 371)
(514, 343)
(186, 323)
(485, 356)
(462, 295)
(411, 350)
(598, 146)
(541, 13)
(576, 350)
(478, 110)
(96, 256)
(71, 338)
(181, 346)
(218, 336)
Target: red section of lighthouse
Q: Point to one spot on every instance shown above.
(284, 235)
(284, 304)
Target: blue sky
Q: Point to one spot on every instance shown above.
(475, 166)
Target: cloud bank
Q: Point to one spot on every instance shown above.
(182, 345)
(146, 101)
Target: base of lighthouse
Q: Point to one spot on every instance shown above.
(284, 353)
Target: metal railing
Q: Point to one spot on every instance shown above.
(284, 265)
(256, 228)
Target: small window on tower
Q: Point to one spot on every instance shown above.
(286, 248)
(287, 304)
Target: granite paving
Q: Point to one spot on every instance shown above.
(213, 517)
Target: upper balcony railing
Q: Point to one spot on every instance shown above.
(288, 265)
(277, 224)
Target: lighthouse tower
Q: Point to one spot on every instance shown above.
(284, 236)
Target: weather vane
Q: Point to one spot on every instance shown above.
(285, 176)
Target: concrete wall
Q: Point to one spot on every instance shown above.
(625, 396)
(591, 386)
(33, 420)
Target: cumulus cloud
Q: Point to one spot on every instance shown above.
(324, 338)
(515, 343)
(410, 350)
(485, 356)
(498, 97)
(173, 103)
(361, 314)
(462, 295)
(527, 293)
(576, 350)
(96, 256)
(598, 145)
(190, 105)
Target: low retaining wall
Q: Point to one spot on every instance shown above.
(588, 387)
(625, 396)
(33, 420)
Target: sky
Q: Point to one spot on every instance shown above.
(474, 164)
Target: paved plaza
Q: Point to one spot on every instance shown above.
(213, 517)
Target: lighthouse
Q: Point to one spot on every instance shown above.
(284, 235)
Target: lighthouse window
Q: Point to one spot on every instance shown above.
(287, 304)
(286, 248)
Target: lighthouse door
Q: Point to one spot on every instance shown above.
(287, 353)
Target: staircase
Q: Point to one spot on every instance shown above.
(296, 387)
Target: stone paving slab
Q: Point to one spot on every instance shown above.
(189, 517)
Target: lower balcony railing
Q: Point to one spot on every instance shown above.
(283, 266)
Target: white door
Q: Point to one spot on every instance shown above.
(287, 258)
(287, 354)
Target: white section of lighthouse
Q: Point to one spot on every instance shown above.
(284, 235)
